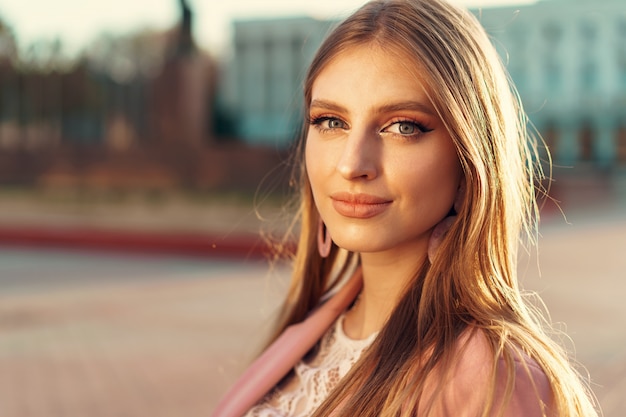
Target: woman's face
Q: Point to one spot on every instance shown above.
(382, 167)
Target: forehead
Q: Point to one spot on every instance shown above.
(375, 70)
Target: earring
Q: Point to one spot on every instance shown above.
(443, 226)
(324, 241)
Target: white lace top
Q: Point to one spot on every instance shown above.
(314, 377)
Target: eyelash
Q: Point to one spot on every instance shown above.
(421, 128)
(318, 121)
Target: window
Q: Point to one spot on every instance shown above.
(550, 135)
(268, 68)
(620, 53)
(588, 70)
(585, 138)
(621, 144)
(588, 31)
(552, 75)
(552, 33)
(588, 75)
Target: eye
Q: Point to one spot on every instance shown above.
(407, 128)
(335, 124)
(328, 123)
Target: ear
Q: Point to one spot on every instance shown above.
(436, 237)
(440, 230)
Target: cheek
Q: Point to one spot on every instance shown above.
(445, 176)
(446, 171)
(447, 180)
(432, 184)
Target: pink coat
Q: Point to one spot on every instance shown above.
(462, 396)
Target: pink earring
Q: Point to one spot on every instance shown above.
(443, 226)
(324, 241)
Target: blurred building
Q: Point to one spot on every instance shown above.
(263, 82)
(567, 58)
(132, 112)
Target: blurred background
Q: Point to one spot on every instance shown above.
(144, 144)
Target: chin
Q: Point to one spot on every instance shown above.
(360, 245)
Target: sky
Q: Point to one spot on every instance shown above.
(76, 22)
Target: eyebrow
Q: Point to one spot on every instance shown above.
(387, 108)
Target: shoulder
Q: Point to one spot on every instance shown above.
(476, 370)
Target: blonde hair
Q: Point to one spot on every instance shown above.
(472, 281)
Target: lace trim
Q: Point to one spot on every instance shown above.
(315, 377)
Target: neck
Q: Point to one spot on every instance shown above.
(385, 279)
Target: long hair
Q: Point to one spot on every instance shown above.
(472, 281)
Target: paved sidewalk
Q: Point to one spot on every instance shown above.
(149, 337)
(156, 346)
(580, 278)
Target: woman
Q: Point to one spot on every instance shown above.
(418, 179)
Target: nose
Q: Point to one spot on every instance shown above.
(360, 156)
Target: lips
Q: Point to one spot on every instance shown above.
(359, 206)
